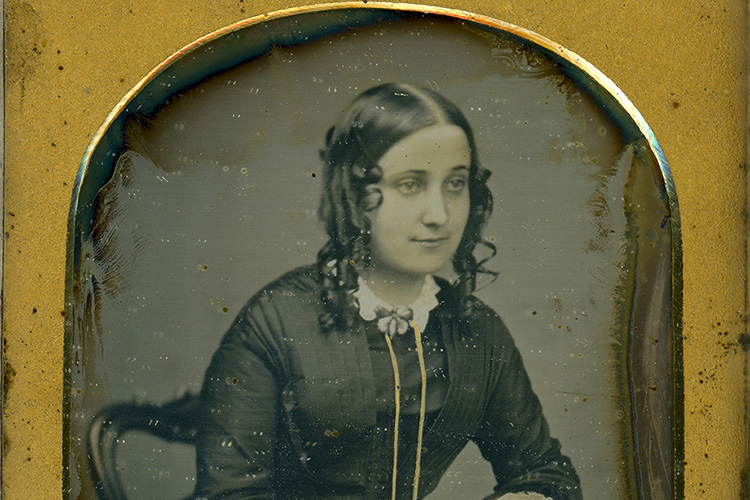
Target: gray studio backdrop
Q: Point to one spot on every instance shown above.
(217, 194)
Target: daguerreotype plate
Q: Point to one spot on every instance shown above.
(295, 180)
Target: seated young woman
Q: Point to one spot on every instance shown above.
(364, 375)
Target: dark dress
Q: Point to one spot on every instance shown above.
(292, 411)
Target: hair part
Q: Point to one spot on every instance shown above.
(375, 121)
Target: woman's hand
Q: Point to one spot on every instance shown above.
(523, 496)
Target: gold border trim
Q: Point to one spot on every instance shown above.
(556, 50)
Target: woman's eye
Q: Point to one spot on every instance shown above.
(409, 186)
(456, 185)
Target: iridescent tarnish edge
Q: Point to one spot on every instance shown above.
(540, 41)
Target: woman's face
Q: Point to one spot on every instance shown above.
(425, 187)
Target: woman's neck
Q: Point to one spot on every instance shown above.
(395, 289)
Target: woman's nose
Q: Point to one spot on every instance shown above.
(435, 212)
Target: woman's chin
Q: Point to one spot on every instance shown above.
(423, 268)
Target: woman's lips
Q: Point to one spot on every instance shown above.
(431, 242)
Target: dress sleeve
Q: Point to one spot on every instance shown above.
(240, 410)
(514, 436)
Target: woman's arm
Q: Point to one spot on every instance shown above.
(239, 415)
(514, 436)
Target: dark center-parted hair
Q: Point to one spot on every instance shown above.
(376, 120)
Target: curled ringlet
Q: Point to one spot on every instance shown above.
(359, 172)
(482, 175)
(372, 199)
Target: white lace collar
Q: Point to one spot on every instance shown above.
(426, 302)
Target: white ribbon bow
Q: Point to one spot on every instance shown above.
(393, 321)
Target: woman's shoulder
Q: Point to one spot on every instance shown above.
(451, 303)
(477, 316)
(295, 293)
(290, 300)
(486, 318)
(301, 281)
